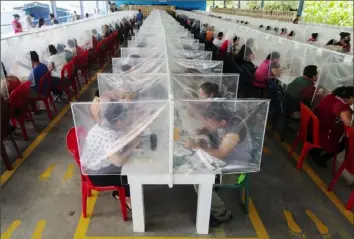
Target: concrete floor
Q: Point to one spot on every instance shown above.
(42, 199)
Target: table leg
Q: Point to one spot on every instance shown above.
(203, 209)
(137, 201)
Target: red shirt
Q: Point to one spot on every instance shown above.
(17, 26)
(331, 126)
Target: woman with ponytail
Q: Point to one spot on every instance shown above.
(333, 113)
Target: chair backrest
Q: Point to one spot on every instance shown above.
(19, 97)
(44, 84)
(67, 71)
(75, 61)
(349, 155)
(73, 146)
(12, 83)
(5, 117)
(308, 121)
(84, 59)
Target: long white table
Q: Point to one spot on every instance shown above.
(153, 169)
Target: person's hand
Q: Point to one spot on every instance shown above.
(190, 144)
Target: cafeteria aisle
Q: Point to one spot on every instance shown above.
(42, 199)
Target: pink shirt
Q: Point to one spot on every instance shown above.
(262, 74)
(17, 26)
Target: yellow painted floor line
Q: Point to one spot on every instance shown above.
(256, 221)
(321, 227)
(8, 233)
(294, 229)
(8, 174)
(317, 180)
(219, 232)
(47, 173)
(69, 172)
(37, 234)
(84, 223)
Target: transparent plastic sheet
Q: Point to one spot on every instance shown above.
(180, 66)
(157, 43)
(201, 126)
(139, 65)
(142, 52)
(281, 61)
(190, 86)
(250, 47)
(190, 55)
(186, 46)
(130, 137)
(331, 76)
(133, 86)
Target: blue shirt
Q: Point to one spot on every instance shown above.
(139, 17)
(36, 75)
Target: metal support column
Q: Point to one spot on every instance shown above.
(262, 4)
(301, 7)
(53, 7)
(239, 4)
(224, 3)
(82, 13)
(213, 3)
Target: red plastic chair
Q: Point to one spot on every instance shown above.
(101, 52)
(45, 95)
(308, 120)
(19, 107)
(347, 164)
(86, 184)
(67, 73)
(12, 83)
(84, 61)
(76, 63)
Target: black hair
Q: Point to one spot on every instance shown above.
(261, 26)
(125, 67)
(310, 71)
(134, 56)
(60, 48)
(273, 55)
(331, 42)
(71, 43)
(269, 28)
(291, 34)
(220, 34)
(51, 15)
(52, 49)
(97, 93)
(284, 30)
(41, 22)
(276, 29)
(314, 35)
(236, 38)
(34, 56)
(344, 35)
(211, 89)
(86, 15)
(344, 92)
(4, 70)
(113, 112)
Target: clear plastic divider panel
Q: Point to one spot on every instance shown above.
(139, 65)
(195, 66)
(142, 52)
(133, 87)
(219, 136)
(129, 138)
(198, 86)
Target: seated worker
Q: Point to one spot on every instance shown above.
(226, 45)
(229, 142)
(72, 47)
(209, 90)
(96, 35)
(333, 114)
(209, 34)
(313, 38)
(38, 71)
(106, 31)
(97, 161)
(79, 50)
(8, 83)
(235, 45)
(344, 41)
(218, 40)
(68, 54)
(269, 68)
(302, 89)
